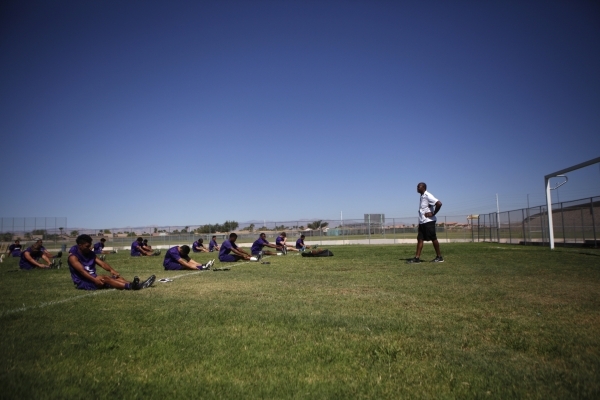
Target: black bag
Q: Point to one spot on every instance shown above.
(321, 253)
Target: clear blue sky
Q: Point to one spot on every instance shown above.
(182, 113)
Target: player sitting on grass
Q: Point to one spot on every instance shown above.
(213, 245)
(198, 246)
(30, 258)
(257, 246)
(138, 250)
(46, 255)
(300, 244)
(281, 243)
(99, 248)
(229, 247)
(177, 258)
(15, 249)
(82, 264)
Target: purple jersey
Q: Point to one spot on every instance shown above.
(258, 245)
(98, 247)
(24, 263)
(197, 246)
(15, 250)
(172, 256)
(88, 261)
(279, 241)
(226, 248)
(211, 246)
(135, 249)
(300, 243)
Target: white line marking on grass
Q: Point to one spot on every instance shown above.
(51, 303)
(88, 294)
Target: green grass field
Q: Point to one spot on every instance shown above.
(493, 321)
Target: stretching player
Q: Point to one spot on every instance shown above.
(30, 258)
(15, 249)
(213, 245)
(99, 248)
(198, 246)
(301, 246)
(257, 246)
(82, 264)
(177, 258)
(281, 243)
(138, 250)
(229, 247)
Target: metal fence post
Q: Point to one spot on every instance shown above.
(593, 222)
(523, 225)
(562, 218)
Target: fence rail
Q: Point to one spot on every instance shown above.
(575, 222)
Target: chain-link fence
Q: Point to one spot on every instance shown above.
(575, 222)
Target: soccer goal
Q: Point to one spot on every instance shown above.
(554, 186)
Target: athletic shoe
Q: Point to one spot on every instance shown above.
(259, 256)
(209, 264)
(59, 264)
(102, 257)
(116, 251)
(157, 252)
(1, 258)
(438, 259)
(284, 250)
(135, 284)
(253, 259)
(148, 282)
(59, 254)
(413, 260)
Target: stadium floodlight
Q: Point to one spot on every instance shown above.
(549, 189)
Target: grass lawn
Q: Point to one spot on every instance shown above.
(493, 321)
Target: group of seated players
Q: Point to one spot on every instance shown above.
(83, 258)
(35, 256)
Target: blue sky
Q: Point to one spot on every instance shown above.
(183, 113)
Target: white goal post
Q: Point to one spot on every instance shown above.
(549, 196)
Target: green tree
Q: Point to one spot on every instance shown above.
(317, 225)
(6, 237)
(107, 231)
(74, 233)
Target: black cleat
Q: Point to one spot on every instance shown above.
(135, 285)
(148, 282)
(414, 260)
(59, 254)
(438, 259)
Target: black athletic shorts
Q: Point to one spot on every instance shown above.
(427, 231)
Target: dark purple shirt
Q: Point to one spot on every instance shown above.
(299, 243)
(135, 249)
(87, 260)
(98, 247)
(15, 249)
(258, 245)
(213, 243)
(197, 246)
(226, 247)
(279, 240)
(24, 263)
(172, 255)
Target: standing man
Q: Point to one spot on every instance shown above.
(428, 207)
